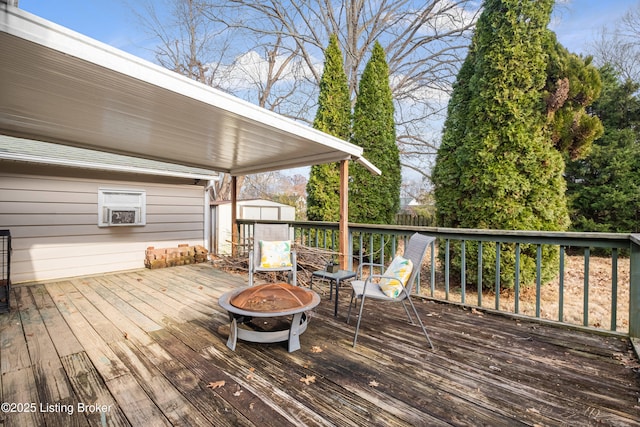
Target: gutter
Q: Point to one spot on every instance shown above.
(105, 167)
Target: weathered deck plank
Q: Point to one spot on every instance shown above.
(147, 344)
(51, 381)
(62, 337)
(91, 389)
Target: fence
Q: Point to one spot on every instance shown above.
(415, 220)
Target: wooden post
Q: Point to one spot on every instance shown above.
(344, 214)
(634, 292)
(234, 219)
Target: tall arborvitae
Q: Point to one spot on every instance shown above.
(498, 166)
(375, 199)
(333, 117)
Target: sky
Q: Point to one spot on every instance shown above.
(576, 22)
(110, 21)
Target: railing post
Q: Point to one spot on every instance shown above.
(234, 216)
(634, 289)
(344, 214)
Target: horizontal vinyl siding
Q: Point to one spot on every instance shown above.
(53, 223)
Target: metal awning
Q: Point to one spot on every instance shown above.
(59, 86)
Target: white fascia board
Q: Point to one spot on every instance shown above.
(289, 164)
(370, 166)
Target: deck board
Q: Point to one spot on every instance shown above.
(89, 388)
(146, 344)
(51, 382)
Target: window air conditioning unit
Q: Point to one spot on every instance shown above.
(118, 208)
(123, 216)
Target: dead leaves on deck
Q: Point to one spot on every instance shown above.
(221, 383)
(628, 360)
(216, 384)
(250, 374)
(309, 379)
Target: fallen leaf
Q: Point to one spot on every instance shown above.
(216, 384)
(316, 349)
(308, 379)
(373, 383)
(249, 376)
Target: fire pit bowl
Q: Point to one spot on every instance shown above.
(272, 298)
(268, 301)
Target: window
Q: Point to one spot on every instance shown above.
(121, 207)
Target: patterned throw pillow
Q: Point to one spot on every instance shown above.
(275, 254)
(401, 269)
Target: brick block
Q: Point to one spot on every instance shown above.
(169, 257)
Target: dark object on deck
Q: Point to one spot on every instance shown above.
(5, 269)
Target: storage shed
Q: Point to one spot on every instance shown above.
(258, 209)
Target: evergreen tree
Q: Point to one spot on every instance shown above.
(375, 199)
(573, 84)
(333, 117)
(497, 166)
(604, 187)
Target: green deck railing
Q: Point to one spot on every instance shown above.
(621, 300)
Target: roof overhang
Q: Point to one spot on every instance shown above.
(59, 86)
(32, 152)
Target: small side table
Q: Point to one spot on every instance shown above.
(333, 278)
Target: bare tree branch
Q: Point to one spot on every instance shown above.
(425, 44)
(620, 47)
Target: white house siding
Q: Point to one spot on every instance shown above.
(53, 219)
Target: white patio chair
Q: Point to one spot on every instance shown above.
(370, 288)
(272, 251)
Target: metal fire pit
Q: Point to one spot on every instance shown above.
(272, 300)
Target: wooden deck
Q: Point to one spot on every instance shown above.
(149, 348)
